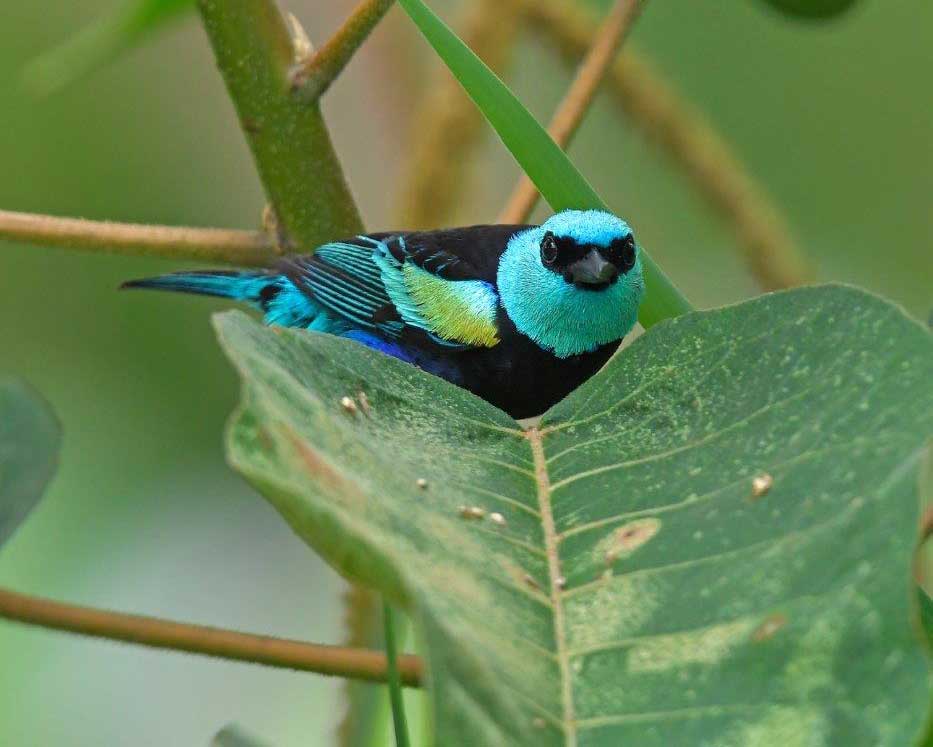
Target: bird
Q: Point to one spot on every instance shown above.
(519, 315)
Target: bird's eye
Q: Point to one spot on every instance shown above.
(549, 249)
(622, 253)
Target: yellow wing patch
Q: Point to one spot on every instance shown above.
(455, 310)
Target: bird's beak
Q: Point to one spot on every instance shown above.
(592, 270)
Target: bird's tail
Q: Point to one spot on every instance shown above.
(253, 287)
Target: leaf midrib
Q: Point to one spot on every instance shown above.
(543, 484)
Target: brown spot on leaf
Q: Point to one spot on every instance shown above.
(626, 539)
(769, 626)
(530, 581)
(471, 512)
(320, 470)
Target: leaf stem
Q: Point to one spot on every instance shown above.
(203, 244)
(687, 137)
(312, 76)
(394, 681)
(603, 49)
(289, 140)
(208, 641)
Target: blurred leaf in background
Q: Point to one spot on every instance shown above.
(29, 441)
(100, 42)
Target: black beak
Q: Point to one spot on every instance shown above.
(591, 271)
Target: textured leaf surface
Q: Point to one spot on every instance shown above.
(639, 591)
(540, 157)
(29, 442)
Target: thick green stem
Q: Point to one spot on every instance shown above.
(289, 140)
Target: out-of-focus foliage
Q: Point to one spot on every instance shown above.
(100, 42)
(29, 442)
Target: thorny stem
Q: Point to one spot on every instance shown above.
(448, 126)
(312, 76)
(686, 136)
(207, 641)
(603, 49)
(202, 244)
(289, 140)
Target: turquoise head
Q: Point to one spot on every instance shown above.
(573, 283)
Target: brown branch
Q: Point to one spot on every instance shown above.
(687, 137)
(448, 126)
(202, 244)
(335, 661)
(312, 76)
(605, 45)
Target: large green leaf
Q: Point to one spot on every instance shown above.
(638, 589)
(101, 41)
(29, 441)
(546, 164)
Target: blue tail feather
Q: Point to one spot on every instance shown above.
(274, 294)
(239, 286)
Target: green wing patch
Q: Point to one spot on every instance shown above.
(455, 310)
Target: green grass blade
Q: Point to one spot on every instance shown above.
(555, 176)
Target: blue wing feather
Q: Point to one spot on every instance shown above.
(365, 283)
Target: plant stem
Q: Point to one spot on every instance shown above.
(603, 49)
(289, 140)
(203, 244)
(395, 685)
(686, 136)
(312, 76)
(447, 126)
(207, 641)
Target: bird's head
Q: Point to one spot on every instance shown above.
(574, 282)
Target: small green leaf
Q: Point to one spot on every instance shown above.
(29, 442)
(710, 542)
(817, 9)
(101, 42)
(546, 164)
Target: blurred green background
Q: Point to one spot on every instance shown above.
(835, 119)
